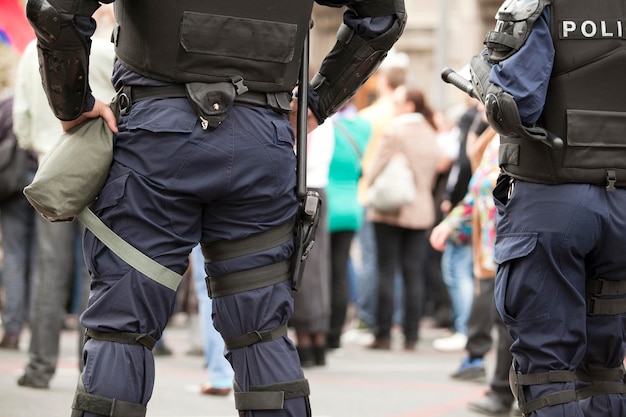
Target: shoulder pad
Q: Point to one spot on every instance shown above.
(517, 10)
(515, 19)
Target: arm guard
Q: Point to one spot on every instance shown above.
(514, 21)
(63, 54)
(353, 59)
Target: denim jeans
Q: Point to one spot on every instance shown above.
(53, 282)
(456, 270)
(17, 219)
(366, 279)
(220, 372)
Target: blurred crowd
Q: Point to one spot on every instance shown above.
(375, 273)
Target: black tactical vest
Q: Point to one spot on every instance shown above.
(586, 101)
(208, 41)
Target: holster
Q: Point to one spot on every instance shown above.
(306, 226)
(212, 102)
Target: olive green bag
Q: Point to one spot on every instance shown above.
(70, 177)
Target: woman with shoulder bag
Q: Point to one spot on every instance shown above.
(400, 233)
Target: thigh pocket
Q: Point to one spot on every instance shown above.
(111, 194)
(519, 295)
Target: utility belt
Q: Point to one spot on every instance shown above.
(212, 101)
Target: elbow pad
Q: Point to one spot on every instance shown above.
(503, 115)
(353, 59)
(63, 58)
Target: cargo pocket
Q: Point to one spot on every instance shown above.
(283, 133)
(519, 294)
(111, 194)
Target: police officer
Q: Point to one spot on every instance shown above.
(203, 153)
(552, 81)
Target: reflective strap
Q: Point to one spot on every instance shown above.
(126, 338)
(604, 306)
(255, 337)
(605, 287)
(227, 249)
(546, 377)
(249, 279)
(270, 397)
(560, 397)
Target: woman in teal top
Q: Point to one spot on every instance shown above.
(345, 213)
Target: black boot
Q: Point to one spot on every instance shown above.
(306, 356)
(319, 355)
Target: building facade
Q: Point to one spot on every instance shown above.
(439, 34)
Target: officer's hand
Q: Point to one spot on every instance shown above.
(311, 123)
(100, 109)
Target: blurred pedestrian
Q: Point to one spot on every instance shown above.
(345, 214)
(311, 312)
(37, 129)
(400, 235)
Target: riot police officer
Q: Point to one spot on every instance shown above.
(203, 153)
(553, 86)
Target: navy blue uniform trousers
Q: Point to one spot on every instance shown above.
(171, 186)
(550, 238)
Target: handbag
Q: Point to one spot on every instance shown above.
(13, 172)
(394, 186)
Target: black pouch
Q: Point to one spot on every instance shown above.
(212, 101)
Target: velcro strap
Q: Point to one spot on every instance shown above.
(227, 249)
(126, 338)
(107, 406)
(602, 388)
(601, 374)
(494, 38)
(259, 400)
(249, 279)
(546, 377)
(255, 337)
(270, 397)
(560, 397)
(605, 287)
(604, 306)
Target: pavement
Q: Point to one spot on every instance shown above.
(356, 381)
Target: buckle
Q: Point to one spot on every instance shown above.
(611, 177)
(124, 103)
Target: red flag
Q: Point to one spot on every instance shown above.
(14, 27)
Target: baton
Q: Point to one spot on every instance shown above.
(540, 134)
(302, 116)
(452, 77)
